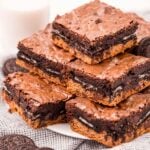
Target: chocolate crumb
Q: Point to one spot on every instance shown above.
(98, 21)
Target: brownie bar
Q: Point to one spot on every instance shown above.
(39, 51)
(110, 126)
(111, 81)
(94, 32)
(39, 103)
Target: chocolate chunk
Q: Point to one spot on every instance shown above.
(144, 47)
(10, 66)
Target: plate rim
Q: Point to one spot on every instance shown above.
(69, 133)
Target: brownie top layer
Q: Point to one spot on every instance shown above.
(134, 104)
(41, 44)
(35, 90)
(95, 20)
(143, 28)
(111, 69)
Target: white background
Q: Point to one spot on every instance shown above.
(142, 7)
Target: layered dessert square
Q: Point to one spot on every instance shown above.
(37, 102)
(38, 54)
(94, 32)
(110, 126)
(111, 81)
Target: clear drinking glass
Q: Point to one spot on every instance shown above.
(19, 19)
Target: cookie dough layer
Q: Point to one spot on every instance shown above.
(111, 52)
(32, 123)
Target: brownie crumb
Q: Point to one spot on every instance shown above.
(98, 21)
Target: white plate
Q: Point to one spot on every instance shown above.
(64, 129)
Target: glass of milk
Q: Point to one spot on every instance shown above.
(19, 19)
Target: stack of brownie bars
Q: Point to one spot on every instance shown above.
(81, 69)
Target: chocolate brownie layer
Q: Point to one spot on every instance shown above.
(36, 101)
(110, 126)
(93, 29)
(39, 51)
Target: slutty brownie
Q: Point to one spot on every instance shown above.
(38, 54)
(111, 81)
(110, 126)
(38, 103)
(94, 32)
